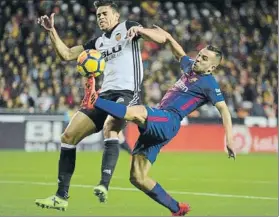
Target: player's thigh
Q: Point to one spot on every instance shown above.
(78, 128)
(113, 124)
(160, 126)
(150, 151)
(97, 116)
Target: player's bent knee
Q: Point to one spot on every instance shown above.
(67, 138)
(112, 127)
(137, 180)
(136, 114)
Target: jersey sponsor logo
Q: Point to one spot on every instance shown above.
(192, 80)
(112, 53)
(218, 91)
(180, 84)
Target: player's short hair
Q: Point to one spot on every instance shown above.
(112, 4)
(216, 50)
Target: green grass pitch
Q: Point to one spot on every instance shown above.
(210, 182)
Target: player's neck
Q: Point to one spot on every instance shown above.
(206, 73)
(112, 27)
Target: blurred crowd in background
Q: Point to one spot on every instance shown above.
(33, 78)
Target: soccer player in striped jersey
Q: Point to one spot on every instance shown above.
(157, 126)
(121, 83)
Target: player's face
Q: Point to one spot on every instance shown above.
(205, 62)
(107, 18)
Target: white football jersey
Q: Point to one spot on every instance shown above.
(124, 69)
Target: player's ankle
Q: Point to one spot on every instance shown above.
(62, 196)
(104, 184)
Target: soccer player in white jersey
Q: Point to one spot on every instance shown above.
(122, 80)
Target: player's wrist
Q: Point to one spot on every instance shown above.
(51, 30)
(168, 37)
(140, 29)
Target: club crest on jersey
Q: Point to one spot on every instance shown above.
(192, 80)
(118, 36)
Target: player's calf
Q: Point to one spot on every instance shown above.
(67, 161)
(139, 173)
(139, 178)
(110, 157)
(137, 181)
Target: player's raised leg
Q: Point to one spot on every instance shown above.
(140, 167)
(136, 114)
(79, 127)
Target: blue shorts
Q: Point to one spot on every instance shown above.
(161, 127)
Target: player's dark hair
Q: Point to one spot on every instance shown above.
(216, 50)
(112, 4)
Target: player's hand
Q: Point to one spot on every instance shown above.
(133, 32)
(47, 22)
(231, 152)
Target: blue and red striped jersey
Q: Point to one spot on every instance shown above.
(191, 91)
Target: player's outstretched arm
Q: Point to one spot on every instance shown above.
(62, 50)
(146, 34)
(176, 48)
(227, 122)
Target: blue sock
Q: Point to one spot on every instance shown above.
(115, 109)
(162, 197)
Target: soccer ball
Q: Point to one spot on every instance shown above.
(90, 62)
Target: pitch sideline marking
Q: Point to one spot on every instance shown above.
(170, 179)
(133, 189)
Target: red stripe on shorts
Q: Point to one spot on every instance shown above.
(157, 119)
